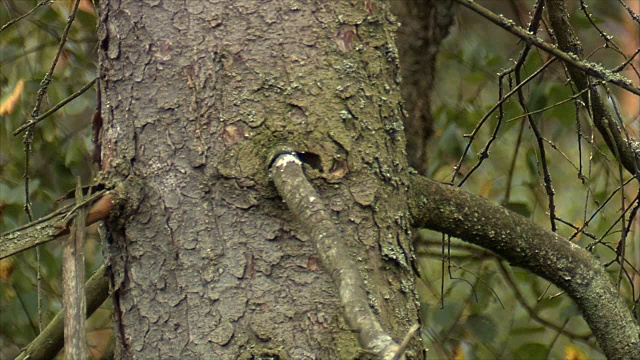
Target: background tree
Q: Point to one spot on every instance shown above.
(467, 323)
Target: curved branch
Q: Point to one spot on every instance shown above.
(522, 243)
(307, 206)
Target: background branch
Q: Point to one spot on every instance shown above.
(570, 58)
(51, 340)
(602, 119)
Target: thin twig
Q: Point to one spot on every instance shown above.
(405, 342)
(523, 302)
(57, 107)
(28, 140)
(14, 21)
(494, 108)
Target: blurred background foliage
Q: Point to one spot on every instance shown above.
(474, 306)
(61, 152)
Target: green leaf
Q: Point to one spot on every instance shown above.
(520, 208)
(531, 351)
(537, 99)
(445, 318)
(482, 328)
(550, 303)
(451, 142)
(528, 330)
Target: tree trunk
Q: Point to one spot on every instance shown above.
(196, 98)
(425, 23)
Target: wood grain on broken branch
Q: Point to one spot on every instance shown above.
(53, 225)
(521, 242)
(73, 297)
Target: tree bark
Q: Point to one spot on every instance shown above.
(195, 98)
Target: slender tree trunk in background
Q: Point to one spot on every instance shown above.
(425, 24)
(196, 97)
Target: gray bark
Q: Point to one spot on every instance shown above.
(195, 97)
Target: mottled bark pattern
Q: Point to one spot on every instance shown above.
(196, 96)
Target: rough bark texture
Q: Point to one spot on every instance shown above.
(195, 97)
(425, 23)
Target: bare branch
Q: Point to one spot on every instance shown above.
(57, 107)
(15, 21)
(75, 326)
(613, 133)
(570, 58)
(51, 226)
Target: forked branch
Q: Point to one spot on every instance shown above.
(626, 150)
(569, 50)
(567, 57)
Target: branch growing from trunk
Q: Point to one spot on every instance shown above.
(305, 203)
(525, 244)
(52, 226)
(118, 204)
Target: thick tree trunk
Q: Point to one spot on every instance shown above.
(196, 97)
